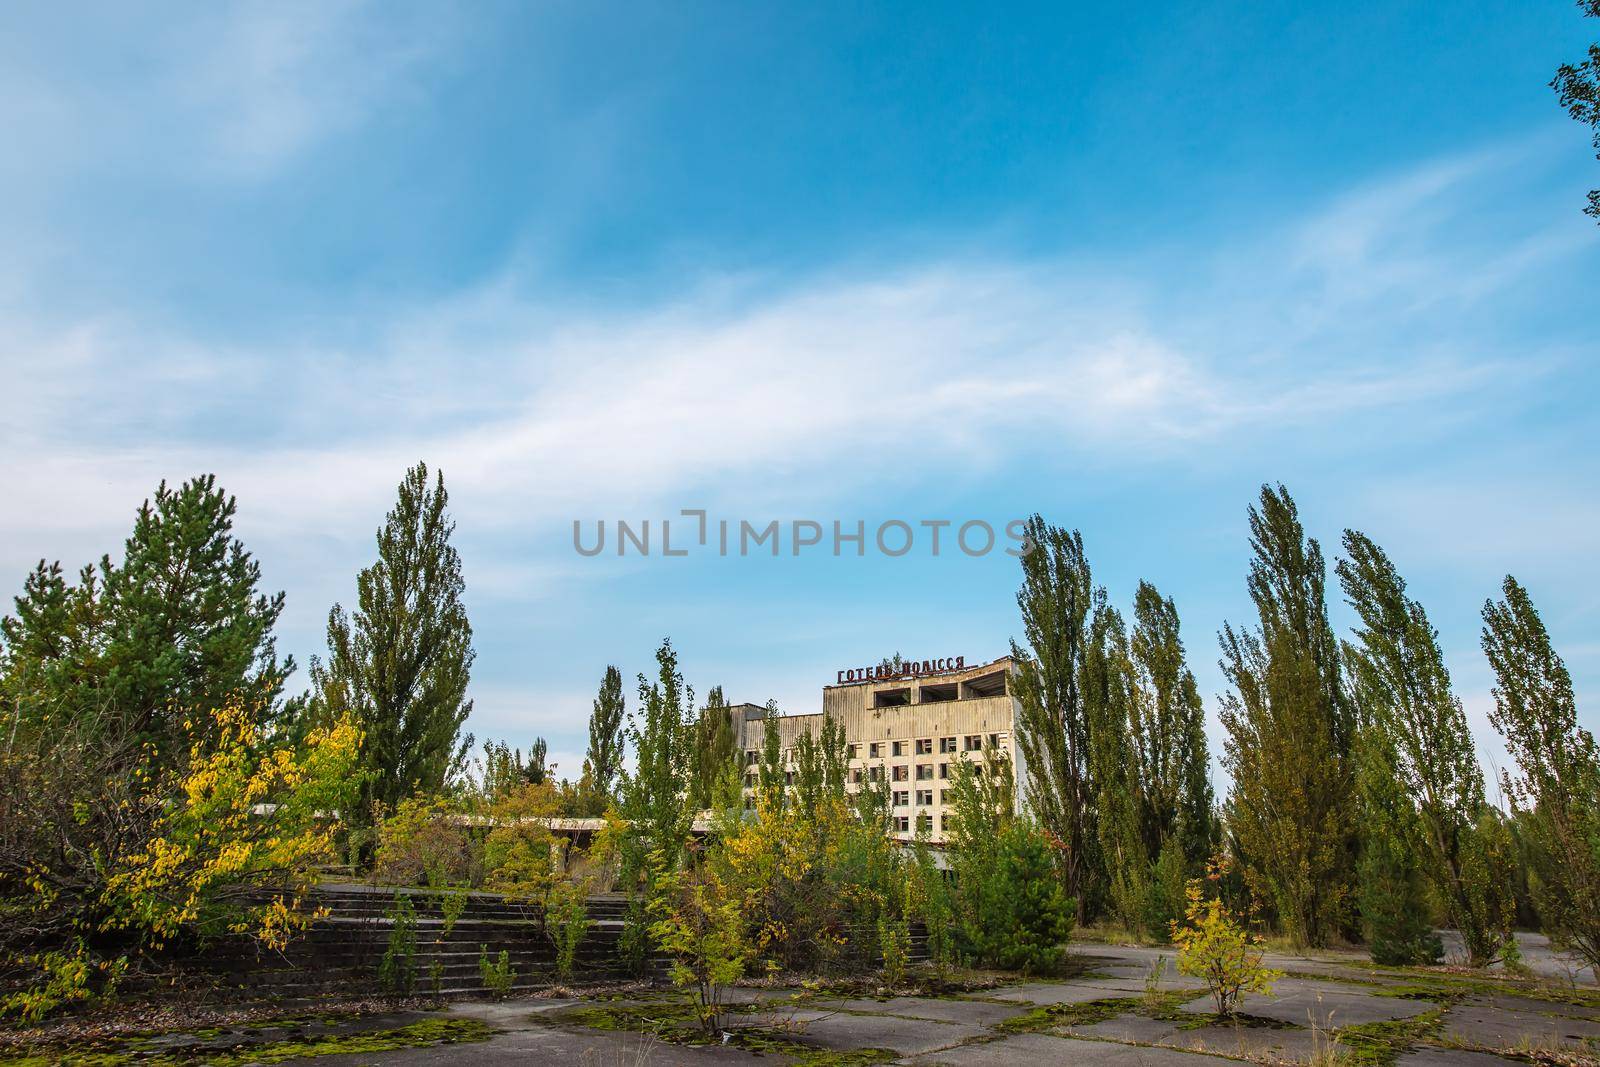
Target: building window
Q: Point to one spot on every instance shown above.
(944, 796)
(974, 742)
(944, 770)
(855, 750)
(749, 803)
(924, 772)
(897, 749)
(944, 823)
(855, 776)
(902, 824)
(751, 758)
(901, 798)
(994, 740)
(924, 822)
(750, 781)
(947, 745)
(924, 746)
(875, 774)
(900, 773)
(924, 798)
(788, 778)
(875, 750)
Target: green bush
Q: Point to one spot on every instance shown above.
(566, 920)
(397, 971)
(497, 975)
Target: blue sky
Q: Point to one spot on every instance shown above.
(1118, 265)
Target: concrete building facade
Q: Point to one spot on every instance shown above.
(907, 727)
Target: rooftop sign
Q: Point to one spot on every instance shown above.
(885, 672)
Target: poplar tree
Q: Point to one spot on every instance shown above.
(1120, 797)
(607, 737)
(1422, 744)
(1052, 727)
(1577, 87)
(399, 665)
(1391, 886)
(770, 777)
(1290, 732)
(654, 796)
(1169, 739)
(1556, 794)
(714, 743)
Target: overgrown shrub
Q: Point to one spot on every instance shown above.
(566, 920)
(497, 974)
(397, 970)
(1215, 948)
(427, 841)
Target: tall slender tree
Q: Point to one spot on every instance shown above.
(400, 664)
(1290, 733)
(714, 745)
(1057, 600)
(608, 727)
(1556, 792)
(1577, 86)
(1120, 797)
(1170, 732)
(654, 796)
(1401, 688)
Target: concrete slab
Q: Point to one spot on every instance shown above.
(1042, 993)
(1248, 1042)
(1321, 1004)
(1130, 1027)
(978, 1012)
(1043, 1048)
(909, 1037)
(1451, 1057)
(1492, 1027)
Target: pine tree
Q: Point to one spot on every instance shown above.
(400, 665)
(1401, 688)
(1556, 794)
(607, 739)
(1290, 733)
(185, 624)
(1057, 599)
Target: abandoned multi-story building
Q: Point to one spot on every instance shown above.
(906, 725)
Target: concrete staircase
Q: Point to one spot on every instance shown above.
(343, 952)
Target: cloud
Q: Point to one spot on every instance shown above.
(230, 91)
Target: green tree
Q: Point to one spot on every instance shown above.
(821, 763)
(1290, 733)
(1170, 732)
(1391, 886)
(1402, 689)
(180, 623)
(1120, 797)
(1556, 794)
(608, 727)
(771, 779)
(714, 743)
(400, 665)
(654, 796)
(1577, 86)
(1057, 599)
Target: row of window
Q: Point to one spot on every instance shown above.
(899, 773)
(902, 823)
(923, 747)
